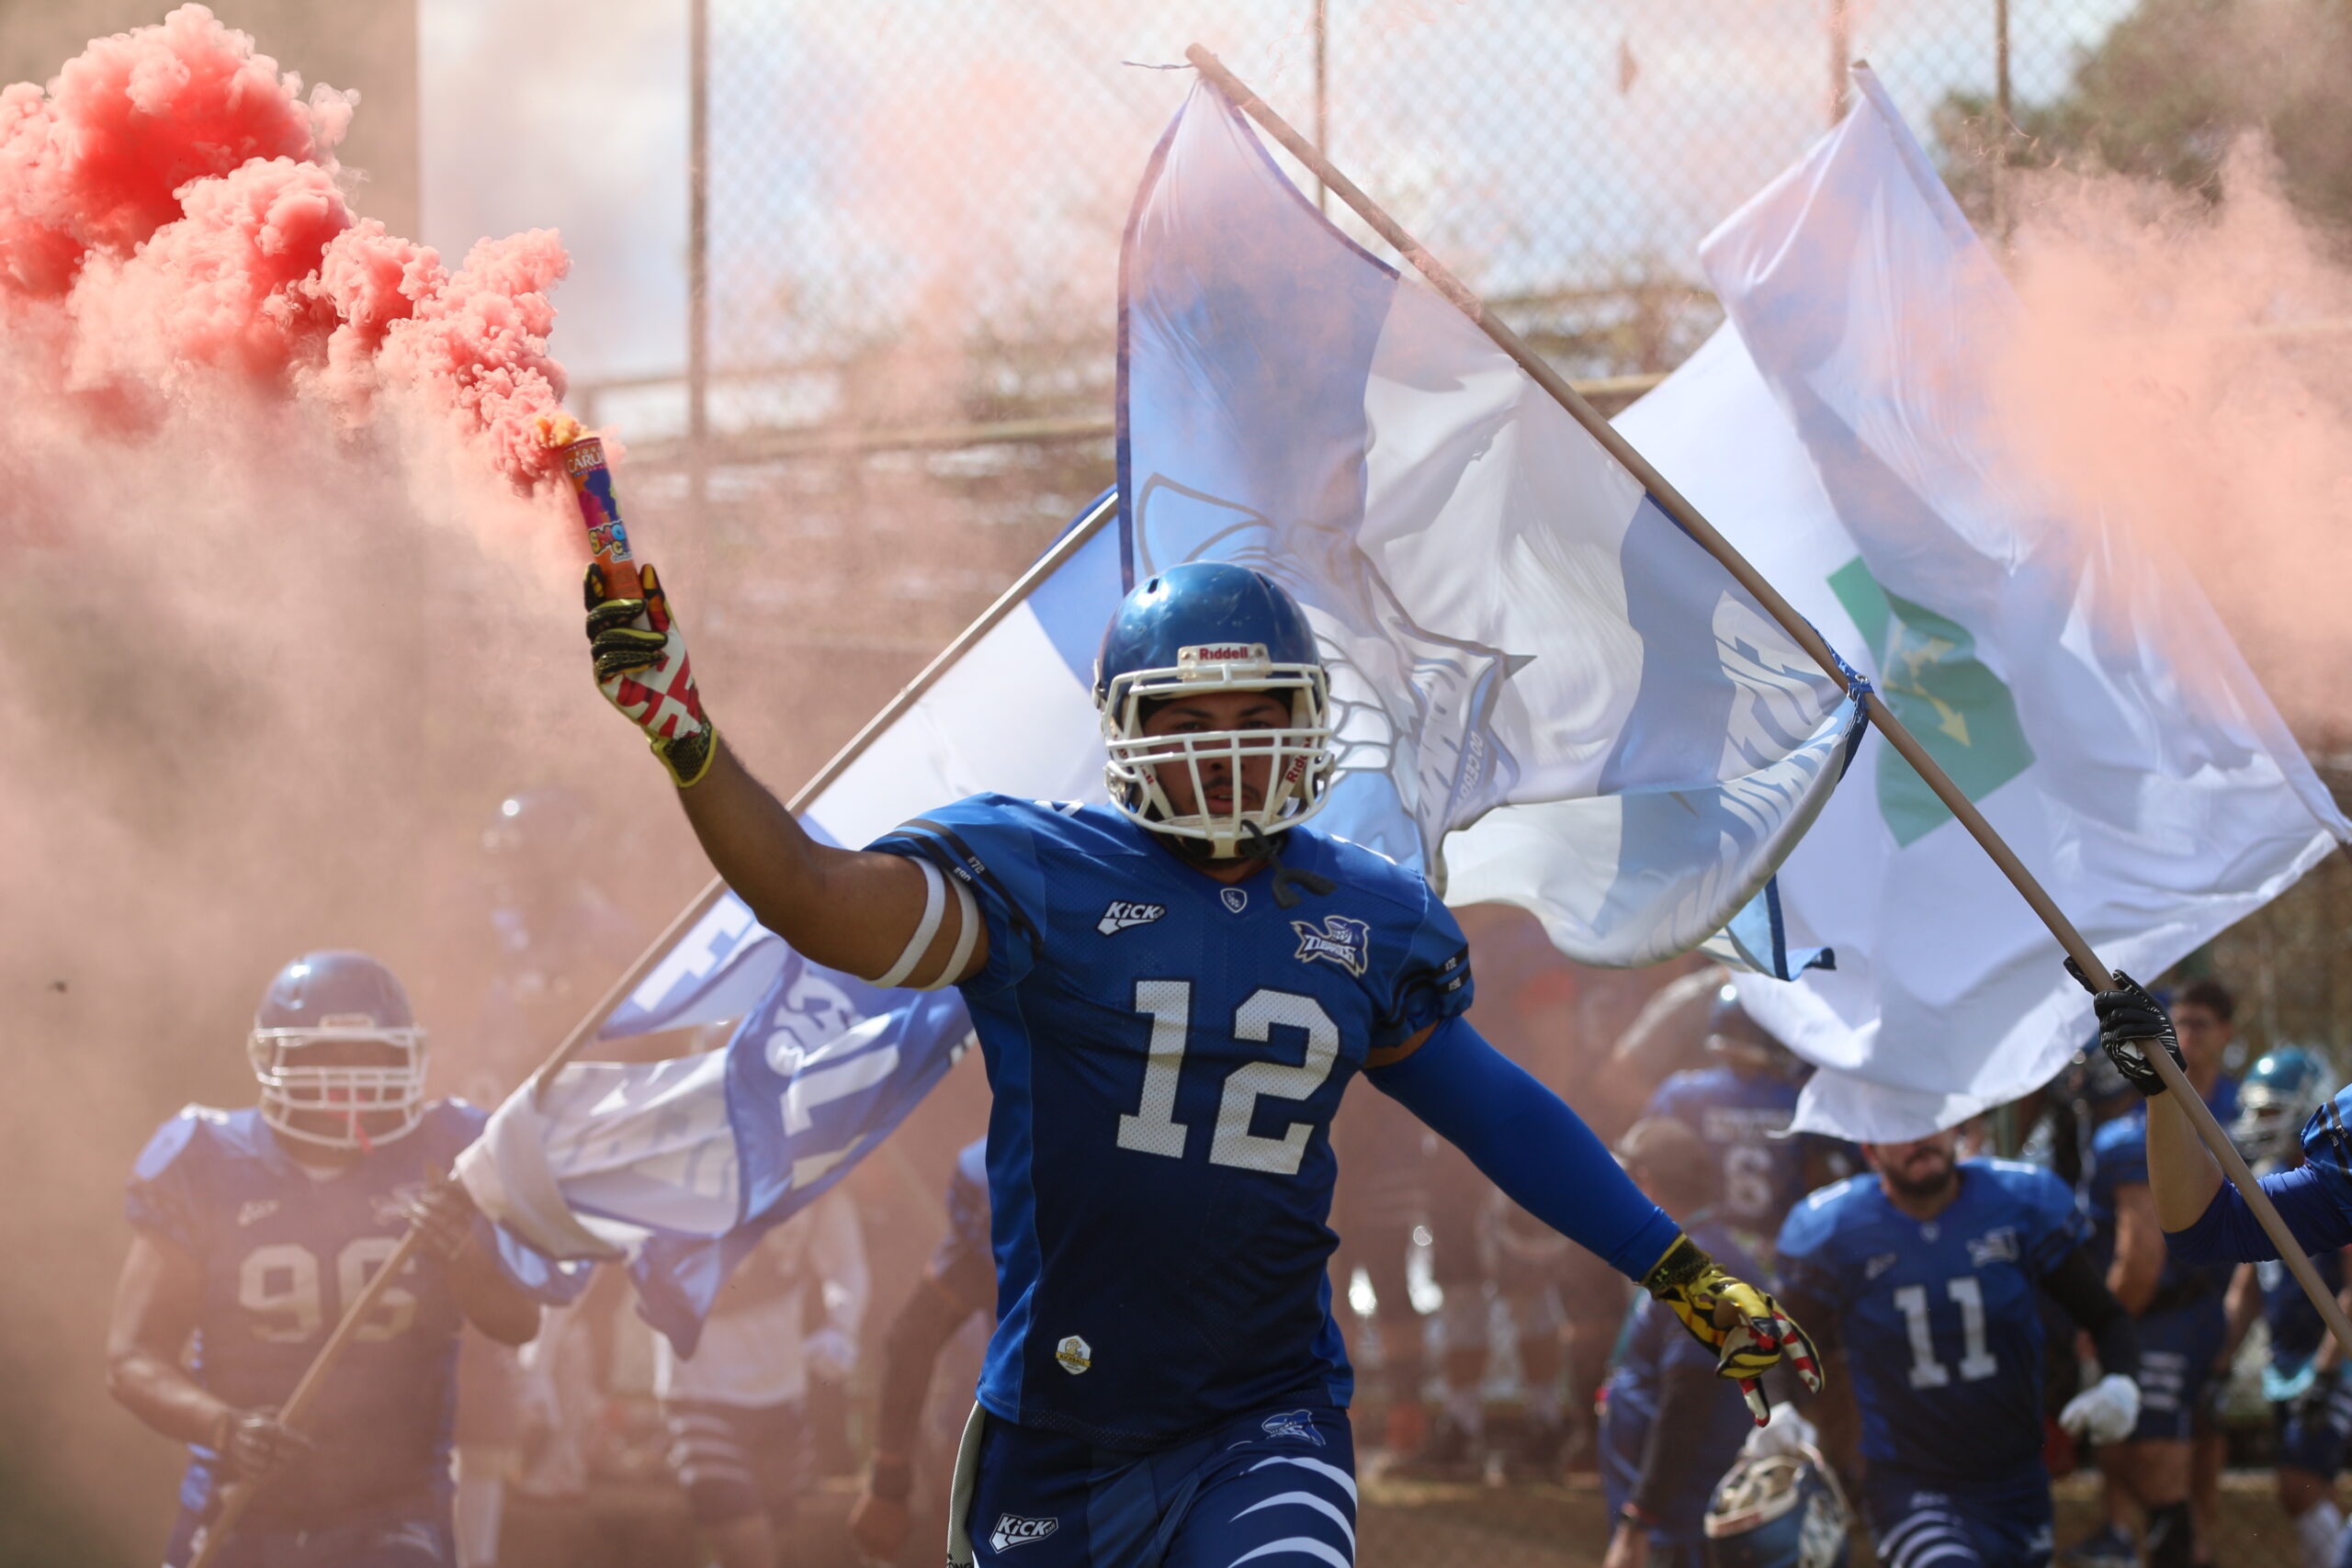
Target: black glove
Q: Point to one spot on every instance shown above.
(254, 1443)
(2128, 1019)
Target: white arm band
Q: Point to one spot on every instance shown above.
(966, 937)
(936, 887)
(934, 904)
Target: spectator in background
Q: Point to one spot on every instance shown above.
(958, 1283)
(735, 1408)
(1380, 1198)
(1670, 1427)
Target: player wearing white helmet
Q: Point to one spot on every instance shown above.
(250, 1230)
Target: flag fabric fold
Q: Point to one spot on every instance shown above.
(2073, 680)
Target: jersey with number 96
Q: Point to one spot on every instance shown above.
(281, 1251)
(1167, 1052)
(1939, 1318)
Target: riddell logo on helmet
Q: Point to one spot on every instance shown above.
(1222, 653)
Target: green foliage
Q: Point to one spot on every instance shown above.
(2173, 85)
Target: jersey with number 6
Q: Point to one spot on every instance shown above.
(1939, 1318)
(281, 1251)
(1167, 1052)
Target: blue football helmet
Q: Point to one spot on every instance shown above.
(2281, 1091)
(1209, 626)
(1782, 1510)
(327, 999)
(1737, 1037)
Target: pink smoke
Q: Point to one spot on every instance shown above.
(169, 215)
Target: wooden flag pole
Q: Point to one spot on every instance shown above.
(238, 1495)
(1677, 507)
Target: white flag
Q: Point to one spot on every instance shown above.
(2077, 685)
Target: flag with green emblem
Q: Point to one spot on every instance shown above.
(1840, 430)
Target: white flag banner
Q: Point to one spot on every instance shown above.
(2074, 681)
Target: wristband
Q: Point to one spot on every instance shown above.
(889, 1479)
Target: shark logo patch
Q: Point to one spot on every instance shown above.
(1340, 940)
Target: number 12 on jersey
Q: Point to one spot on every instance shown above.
(1152, 1128)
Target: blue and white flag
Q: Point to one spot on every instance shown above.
(1843, 430)
(1510, 620)
(1513, 628)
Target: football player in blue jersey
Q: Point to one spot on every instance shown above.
(1926, 1274)
(2303, 1379)
(1171, 992)
(250, 1230)
(1742, 1107)
(958, 1282)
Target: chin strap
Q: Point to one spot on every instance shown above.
(1288, 880)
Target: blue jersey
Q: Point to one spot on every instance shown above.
(2118, 1158)
(1653, 1344)
(1745, 1119)
(281, 1251)
(2297, 1330)
(1167, 1052)
(1939, 1318)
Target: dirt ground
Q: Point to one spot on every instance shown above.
(1427, 1525)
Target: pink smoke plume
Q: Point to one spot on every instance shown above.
(169, 214)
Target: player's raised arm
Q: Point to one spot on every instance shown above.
(881, 916)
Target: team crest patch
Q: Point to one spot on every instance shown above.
(1293, 1424)
(1343, 942)
(1122, 914)
(1075, 1355)
(1012, 1531)
(1236, 898)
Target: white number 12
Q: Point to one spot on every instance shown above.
(1152, 1127)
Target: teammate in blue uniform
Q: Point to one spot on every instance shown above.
(251, 1229)
(1742, 1106)
(1170, 994)
(2303, 1380)
(1669, 1430)
(958, 1282)
(1926, 1274)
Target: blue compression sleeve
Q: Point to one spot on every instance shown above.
(1530, 1144)
(2227, 1231)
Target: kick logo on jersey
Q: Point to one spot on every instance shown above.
(1012, 1531)
(1075, 1355)
(1293, 1424)
(254, 1210)
(1122, 915)
(391, 1208)
(1344, 942)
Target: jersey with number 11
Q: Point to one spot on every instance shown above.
(1941, 1318)
(1167, 1052)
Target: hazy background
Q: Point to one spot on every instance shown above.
(271, 679)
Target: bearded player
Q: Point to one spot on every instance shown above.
(251, 1229)
(1170, 993)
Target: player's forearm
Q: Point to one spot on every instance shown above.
(2075, 1285)
(1527, 1141)
(2180, 1173)
(917, 1335)
(159, 1391)
(492, 1302)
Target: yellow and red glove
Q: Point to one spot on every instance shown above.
(642, 669)
(1744, 1326)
